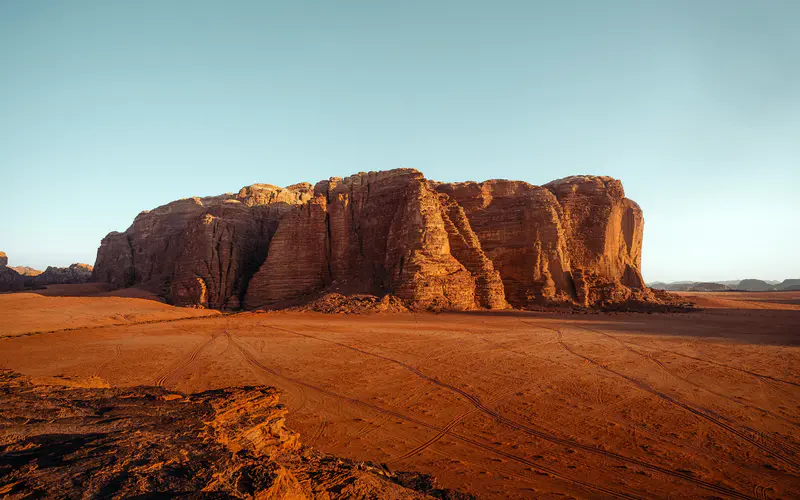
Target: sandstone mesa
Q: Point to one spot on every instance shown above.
(434, 246)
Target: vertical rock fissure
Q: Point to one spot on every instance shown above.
(328, 246)
(445, 245)
(133, 262)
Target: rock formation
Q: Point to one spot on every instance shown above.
(10, 280)
(84, 440)
(432, 245)
(706, 287)
(199, 251)
(76, 273)
(26, 270)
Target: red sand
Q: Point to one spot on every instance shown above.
(503, 405)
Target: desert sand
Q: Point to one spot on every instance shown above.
(503, 404)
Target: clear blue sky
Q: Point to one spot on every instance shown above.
(109, 108)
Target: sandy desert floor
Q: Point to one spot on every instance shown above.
(502, 405)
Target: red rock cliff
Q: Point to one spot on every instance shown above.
(434, 245)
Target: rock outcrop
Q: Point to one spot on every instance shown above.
(707, 287)
(26, 270)
(199, 251)
(84, 440)
(76, 273)
(10, 280)
(432, 245)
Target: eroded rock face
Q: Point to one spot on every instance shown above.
(433, 245)
(10, 280)
(83, 440)
(76, 273)
(199, 252)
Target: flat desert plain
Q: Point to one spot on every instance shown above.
(502, 405)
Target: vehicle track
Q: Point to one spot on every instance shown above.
(379, 419)
(107, 363)
(691, 409)
(184, 362)
(472, 442)
(722, 365)
(666, 370)
(425, 445)
(301, 393)
(515, 425)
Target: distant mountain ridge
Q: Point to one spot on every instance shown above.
(749, 285)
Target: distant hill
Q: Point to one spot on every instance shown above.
(26, 271)
(707, 287)
(690, 286)
(750, 285)
(790, 284)
(754, 285)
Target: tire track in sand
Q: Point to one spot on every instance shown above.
(515, 425)
(789, 448)
(450, 425)
(767, 378)
(107, 363)
(379, 419)
(357, 402)
(301, 393)
(183, 363)
(780, 456)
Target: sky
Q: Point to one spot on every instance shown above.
(111, 108)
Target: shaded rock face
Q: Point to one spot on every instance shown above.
(565, 241)
(10, 280)
(13, 281)
(198, 251)
(81, 440)
(76, 273)
(378, 233)
(433, 245)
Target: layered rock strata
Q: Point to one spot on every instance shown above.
(434, 246)
(81, 440)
